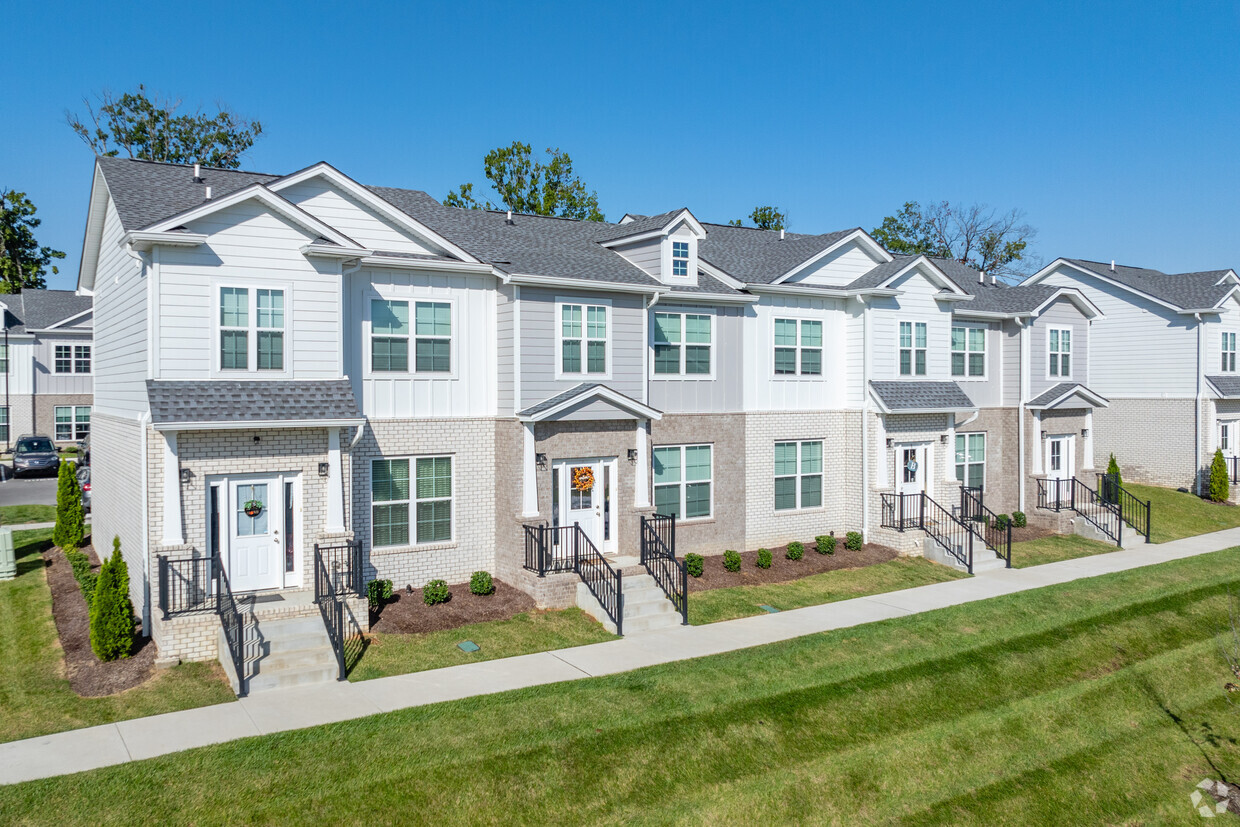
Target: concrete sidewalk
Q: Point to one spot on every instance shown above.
(101, 746)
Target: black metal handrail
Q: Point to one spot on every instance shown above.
(233, 622)
(343, 562)
(901, 511)
(600, 577)
(986, 523)
(186, 585)
(1233, 467)
(331, 607)
(549, 549)
(1132, 509)
(1055, 495)
(1091, 505)
(920, 511)
(659, 558)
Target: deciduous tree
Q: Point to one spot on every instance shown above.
(23, 263)
(525, 184)
(979, 236)
(764, 218)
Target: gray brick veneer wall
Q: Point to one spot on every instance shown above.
(726, 436)
(1152, 439)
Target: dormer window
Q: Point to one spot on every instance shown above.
(680, 258)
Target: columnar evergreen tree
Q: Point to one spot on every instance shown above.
(1220, 485)
(1114, 481)
(70, 521)
(111, 612)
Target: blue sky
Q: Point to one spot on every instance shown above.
(1114, 125)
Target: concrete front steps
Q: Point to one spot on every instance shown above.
(983, 558)
(283, 652)
(645, 606)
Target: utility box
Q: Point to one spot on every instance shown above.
(8, 563)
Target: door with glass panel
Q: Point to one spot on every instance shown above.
(1060, 466)
(582, 494)
(1228, 433)
(255, 532)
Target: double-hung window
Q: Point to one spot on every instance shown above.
(583, 338)
(4, 358)
(69, 359)
(389, 336)
(1229, 353)
(798, 475)
(912, 348)
(680, 258)
(682, 481)
(1060, 347)
(400, 510)
(971, 460)
(798, 347)
(239, 330)
(72, 422)
(4, 424)
(269, 321)
(433, 331)
(682, 344)
(968, 352)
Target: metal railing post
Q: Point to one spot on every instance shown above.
(542, 551)
(684, 592)
(672, 545)
(1149, 527)
(921, 510)
(577, 546)
(163, 585)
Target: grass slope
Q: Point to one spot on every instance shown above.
(1054, 548)
(34, 693)
(13, 515)
(1098, 701)
(1174, 515)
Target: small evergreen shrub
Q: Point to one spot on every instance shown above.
(480, 583)
(1019, 519)
(435, 592)
(1114, 480)
(731, 560)
(853, 541)
(694, 565)
(1220, 485)
(70, 521)
(378, 592)
(825, 543)
(764, 558)
(111, 612)
(86, 579)
(1002, 521)
(796, 550)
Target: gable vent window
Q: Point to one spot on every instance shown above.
(1229, 353)
(680, 258)
(912, 348)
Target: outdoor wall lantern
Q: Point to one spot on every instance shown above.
(889, 443)
(257, 438)
(541, 460)
(325, 469)
(632, 455)
(186, 475)
(943, 438)
(1084, 432)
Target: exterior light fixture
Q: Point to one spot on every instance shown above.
(325, 469)
(632, 455)
(889, 443)
(541, 460)
(186, 475)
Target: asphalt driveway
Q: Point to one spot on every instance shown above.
(26, 490)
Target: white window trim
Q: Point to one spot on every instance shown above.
(251, 307)
(1233, 433)
(683, 484)
(583, 376)
(1046, 360)
(6, 424)
(72, 359)
(665, 257)
(73, 420)
(368, 372)
(966, 377)
(913, 349)
(821, 474)
(413, 502)
(1223, 351)
(682, 376)
(957, 464)
(779, 315)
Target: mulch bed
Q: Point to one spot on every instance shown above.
(782, 570)
(1030, 532)
(89, 676)
(406, 613)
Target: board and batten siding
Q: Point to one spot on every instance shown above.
(916, 304)
(1062, 314)
(247, 246)
(21, 368)
(469, 389)
(120, 313)
(359, 222)
(1140, 348)
(46, 379)
(837, 268)
(764, 391)
(723, 392)
(540, 338)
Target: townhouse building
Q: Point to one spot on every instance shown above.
(293, 363)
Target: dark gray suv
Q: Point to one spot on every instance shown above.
(35, 455)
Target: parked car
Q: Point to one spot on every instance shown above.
(83, 478)
(35, 455)
(84, 451)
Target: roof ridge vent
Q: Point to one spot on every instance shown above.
(197, 173)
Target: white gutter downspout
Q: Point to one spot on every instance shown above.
(865, 418)
(143, 422)
(1197, 411)
(1023, 397)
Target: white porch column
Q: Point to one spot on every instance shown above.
(1037, 446)
(1089, 438)
(335, 485)
(529, 475)
(174, 535)
(883, 459)
(641, 473)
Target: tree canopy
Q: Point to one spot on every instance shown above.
(23, 263)
(978, 236)
(764, 218)
(148, 127)
(525, 184)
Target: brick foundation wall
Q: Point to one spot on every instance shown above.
(1152, 439)
(1002, 487)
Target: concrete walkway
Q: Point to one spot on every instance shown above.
(262, 714)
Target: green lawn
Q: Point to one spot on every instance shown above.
(34, 694)
(1054, 548)
(1175, 515)
(524, 634)
(17, 514)
(1098, 701)
(828, 587)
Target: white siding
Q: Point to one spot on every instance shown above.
(1229, 321)
(987, 392)
(354, 219)
(21, 367)
(764, 391)
(854, 353)
(120, 352)
(505, 347)
(840, 267)
(1009, 355)
(917, 304)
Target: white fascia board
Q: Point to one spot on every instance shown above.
(855, 235)
(607, 394)
(953, 298)
(991, 315)
(714, 271)
(1077, 390)
(395, 263)
(273, 423)
(1229, 276)
(267, 198)
(796, 290)
(672, 297)
(72, 318)
(370, 199)
(531, 280)
(325, 251)
(1075, 296)
(144, 240)
(1045, 271)
(1230, 293)
(92, 238)
(681, 215)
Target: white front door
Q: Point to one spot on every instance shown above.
(583, 494)
(1227, 433)
(255, 523)
(1061, 464)
(911, 469)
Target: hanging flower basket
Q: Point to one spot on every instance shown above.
(252, 508)
(583, 479)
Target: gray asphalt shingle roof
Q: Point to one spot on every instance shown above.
(1185, 291)
(40, 309)
(1055, 391)
(759, 256)
(922, 396)
(637, 226)
(145, 191)
(551, 401)
(1228, 386)
(241, 402)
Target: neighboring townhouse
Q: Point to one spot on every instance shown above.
(1164, 357)
(301, 362)
(47, 366)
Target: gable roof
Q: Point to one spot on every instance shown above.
(41, 309)
(147, 191)
(1056, 395)
(1227, 387)
(584, 392)
(759, 256)
(643, 225)
(1181, 291)
(920, 397)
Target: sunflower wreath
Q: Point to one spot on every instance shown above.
(583, 479)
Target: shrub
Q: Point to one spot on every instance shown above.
(70, 521)
(731, 560)
(825, 543)
(378, 592)
(853, 541)
(1113, 478)
(480, 582)
(1220, 486)
(694, 564)
(796, 550)
(1019, 519)
(436, 592)
(86, 579)
(764, 558)
(111, 612)
(1002, 521)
